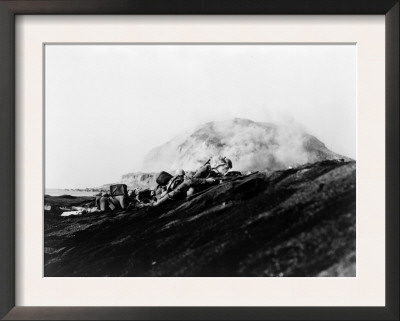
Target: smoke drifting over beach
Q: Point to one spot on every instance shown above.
(251, 146)
(108, 106)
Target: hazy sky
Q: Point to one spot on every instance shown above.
(106, 106)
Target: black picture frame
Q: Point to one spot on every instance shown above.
(10, 8)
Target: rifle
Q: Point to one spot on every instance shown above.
(220, 180)
(233, 178)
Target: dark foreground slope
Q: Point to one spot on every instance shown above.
(296, 222)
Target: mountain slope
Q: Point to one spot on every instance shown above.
(251, 146)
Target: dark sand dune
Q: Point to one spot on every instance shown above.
(294, 222)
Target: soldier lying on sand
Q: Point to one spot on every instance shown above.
(205, 176)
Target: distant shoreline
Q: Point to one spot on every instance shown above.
(72, 192)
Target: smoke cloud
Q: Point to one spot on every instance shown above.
(250, 145)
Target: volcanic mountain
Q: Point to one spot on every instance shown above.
(250, 145)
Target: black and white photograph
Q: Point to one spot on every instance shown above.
(200, 160)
